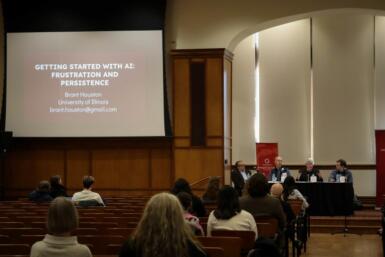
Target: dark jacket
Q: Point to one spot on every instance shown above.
(238, 180)
(58, 190)
(39, 196)
(198, 209)
(277, 173)
(128, 250)
(265, 205)
(305, 175)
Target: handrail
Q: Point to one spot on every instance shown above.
(206, 179)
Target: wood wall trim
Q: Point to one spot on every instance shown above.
(208, 52)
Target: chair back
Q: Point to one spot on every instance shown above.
(267, 226)
(247, 237)
(230, 245)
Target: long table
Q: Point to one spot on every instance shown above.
(328, 199)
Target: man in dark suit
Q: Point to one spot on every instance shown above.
(278, 171)
(309, 171)
(239, 176)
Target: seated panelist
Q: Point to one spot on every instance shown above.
(341, 173)
(309, 171)
(278, 173)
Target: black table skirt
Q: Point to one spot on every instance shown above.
(328, 199)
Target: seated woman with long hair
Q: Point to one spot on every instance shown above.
(291, 193)
(162, 231)
(228, 215)
(62, 221)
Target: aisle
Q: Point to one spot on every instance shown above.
(323, 245)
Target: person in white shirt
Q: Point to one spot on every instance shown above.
(86, 194)
(62, 221)
(291, 193)
(228, 215)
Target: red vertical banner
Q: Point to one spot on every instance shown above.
(380, 164)
(266, 153)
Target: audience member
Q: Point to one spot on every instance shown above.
(278, 173)
(86, 195)
(276, 191)
(185, 200)
(41, 193)
(239, 176)
(181, 185)
(259, 203)
(62, 221)
(162, 231)
(341, 173)
(291, 193)
(309, 171)
(57, 188)
(228, 215)
(211, 194)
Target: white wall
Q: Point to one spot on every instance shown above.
(284, 63)
(224, 23)
(343, 88)
(243, 139)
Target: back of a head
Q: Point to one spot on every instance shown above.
(343, 163)
(213, 187)
(44, 186)
(289, 182)
(276, 190)
(228, 203)
(181, 185)
(185, 200)
(257, 185)
(55, 180)
(288, 187)
(62, 217)
(88, 181)
(162, 230)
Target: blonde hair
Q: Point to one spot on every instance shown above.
(162, 230)
(62, 217)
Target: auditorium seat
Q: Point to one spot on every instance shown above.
(100, 243)
(247, 237)
(230, 245)
(30, 239)
(11, 224)
(5, 239)
(125, 232)
(15, 249)
(267, 226)
(16, 232)
(214, 251)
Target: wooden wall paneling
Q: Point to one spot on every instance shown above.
(161, 169)
(181, 98)
(78, 165)
(198, 85)
(214, 96)
(214, 141)
(195, 164)
(26, 168)
(121, 169)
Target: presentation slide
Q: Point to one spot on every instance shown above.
(85, 84)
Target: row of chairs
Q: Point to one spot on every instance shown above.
(114, 222)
